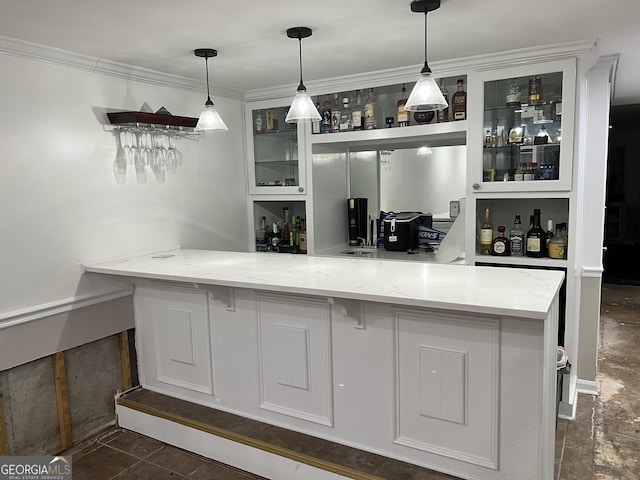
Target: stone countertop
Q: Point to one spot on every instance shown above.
(496, 291)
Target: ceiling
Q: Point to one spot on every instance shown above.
(350, 36)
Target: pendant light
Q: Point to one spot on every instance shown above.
(426, 96)
(302, 108)
(210, 120)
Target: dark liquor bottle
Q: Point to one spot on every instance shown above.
(459, 102)
(443, 115)
(302, 236)
(536, 237)
(535, 90)
(486, 233)
(286, 235)
(293, 236)
(516, 237)
(402, 114)
(327, 107)
(500, 245)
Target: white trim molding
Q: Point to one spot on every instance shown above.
(459, 66)
(18, 317)
(57, 56)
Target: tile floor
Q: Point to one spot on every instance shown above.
(601, 444)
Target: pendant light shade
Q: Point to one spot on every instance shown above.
(426, 96)
(210, 120)
(302, 108)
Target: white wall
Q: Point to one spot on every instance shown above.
(60, 202)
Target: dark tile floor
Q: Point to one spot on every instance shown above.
(601, 444)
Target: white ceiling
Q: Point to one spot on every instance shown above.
(350, 36)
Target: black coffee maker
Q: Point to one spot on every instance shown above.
(357, 215)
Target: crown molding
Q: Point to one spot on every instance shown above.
(446, 68)
(77, 61)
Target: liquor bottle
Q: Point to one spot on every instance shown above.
(357, 118)
(258, 122)
(518, 176)
(500, 244)
(486, 233)
(369, 111)
(293, 236)
(459, 101)
(335, 114)
(346, 116)
(275, 237)
(558, 243)
(536, 237)
(549, 234)
(513, 93)
(316, 125)
(285, 239)
(402, 114)
(302, 237)
(516, 237)
(443, 115)
(327, 107)
(535, 90)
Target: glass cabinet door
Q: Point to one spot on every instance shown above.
(275, 166)
(526, 132)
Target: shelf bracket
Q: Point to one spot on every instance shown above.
(351, 309)
(224, 295)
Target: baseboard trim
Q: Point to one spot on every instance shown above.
(589, 387)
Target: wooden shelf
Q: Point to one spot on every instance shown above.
(132, 118)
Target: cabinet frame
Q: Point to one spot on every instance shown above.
(475, 134)
(299, 189)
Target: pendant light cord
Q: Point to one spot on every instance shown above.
(301, 87)
(426, 68)
(206, 62)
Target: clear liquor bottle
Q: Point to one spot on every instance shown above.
(357, 116)
(369, 111)
(516, 237)
(316, 125)
(335, 114)
(459, 101)
(327, 108)
(486, 233)
(346, 116)
(549, 234)
(443, 115)
(402, 114)
(536, 237)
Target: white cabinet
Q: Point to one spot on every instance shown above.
(521, 138)
(274, 154)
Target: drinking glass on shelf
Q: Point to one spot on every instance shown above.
(172, 152)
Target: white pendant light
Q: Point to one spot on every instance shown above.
(302, 108)
(210, 120)
(426, 96)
